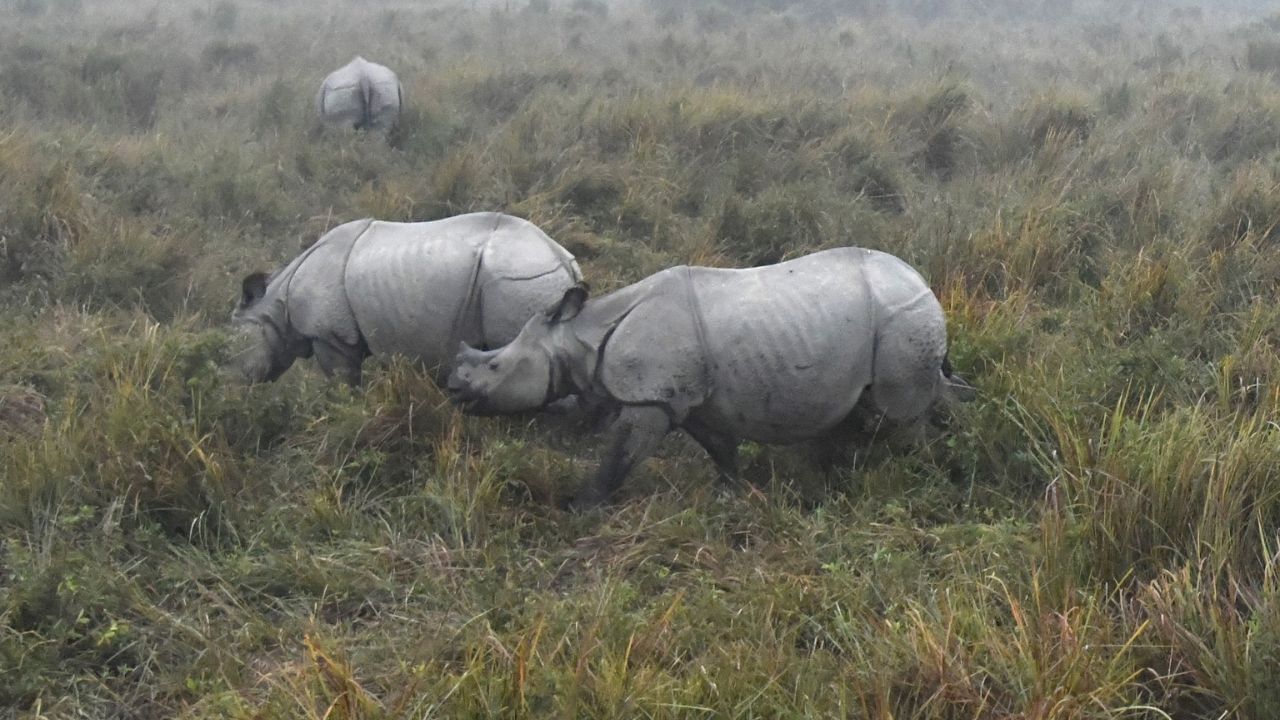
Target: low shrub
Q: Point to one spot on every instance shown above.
(771, 227)
(1061, 116)
(144, 444)
(221, 55)
(1248, 209)
(46, 211)
(1262, 55)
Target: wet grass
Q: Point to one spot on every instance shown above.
(1094, 201)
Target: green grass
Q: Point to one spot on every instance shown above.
(1090, 188)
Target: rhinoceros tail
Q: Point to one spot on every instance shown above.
(366, 104)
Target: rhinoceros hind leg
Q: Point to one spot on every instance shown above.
(339, 359)
(632, 438)
(722, 448)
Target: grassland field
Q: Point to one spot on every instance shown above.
(1091, 188)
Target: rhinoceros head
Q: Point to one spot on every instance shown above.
(521, 375)
(262, 347)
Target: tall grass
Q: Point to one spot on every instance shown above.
(1089, 188)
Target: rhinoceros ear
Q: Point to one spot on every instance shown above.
(570, 305)
(253, 288)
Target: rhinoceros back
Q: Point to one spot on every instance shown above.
(420, 288)
(408, 284)
(522, 271)
(790, 344)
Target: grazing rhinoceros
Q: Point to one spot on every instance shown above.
(362, 95)
(775, 354)
(412, 288)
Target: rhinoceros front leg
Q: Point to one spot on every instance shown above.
(634, 436)
(339, 359)
(722, 448)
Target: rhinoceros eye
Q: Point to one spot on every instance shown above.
(493, 365)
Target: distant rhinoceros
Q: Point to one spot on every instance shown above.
(361, 95)
(775, 354)
(412, 288)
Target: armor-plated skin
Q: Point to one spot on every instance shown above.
(416, 289)
(775, 354)
(361, 95)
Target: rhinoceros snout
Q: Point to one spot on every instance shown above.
(470, 402)
(457, 385)
(460, 391)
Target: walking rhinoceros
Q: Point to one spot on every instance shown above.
(362, 95)
(775, 354)
(412, 288)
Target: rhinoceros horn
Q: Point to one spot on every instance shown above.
(469, 353)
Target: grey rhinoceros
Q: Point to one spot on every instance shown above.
(362, 95)
(774, 354)
(412, 288)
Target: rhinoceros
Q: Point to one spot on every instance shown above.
(774, 354)
(417, 289)
(362, 95)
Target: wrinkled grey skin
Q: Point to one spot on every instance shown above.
(361, 95)
(776, 354)
(417, 289)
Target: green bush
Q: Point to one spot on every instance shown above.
(771, 227)
(1058, 117)
(1262, 55)
(1248, 209)
(221, 54)
(144, 443)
